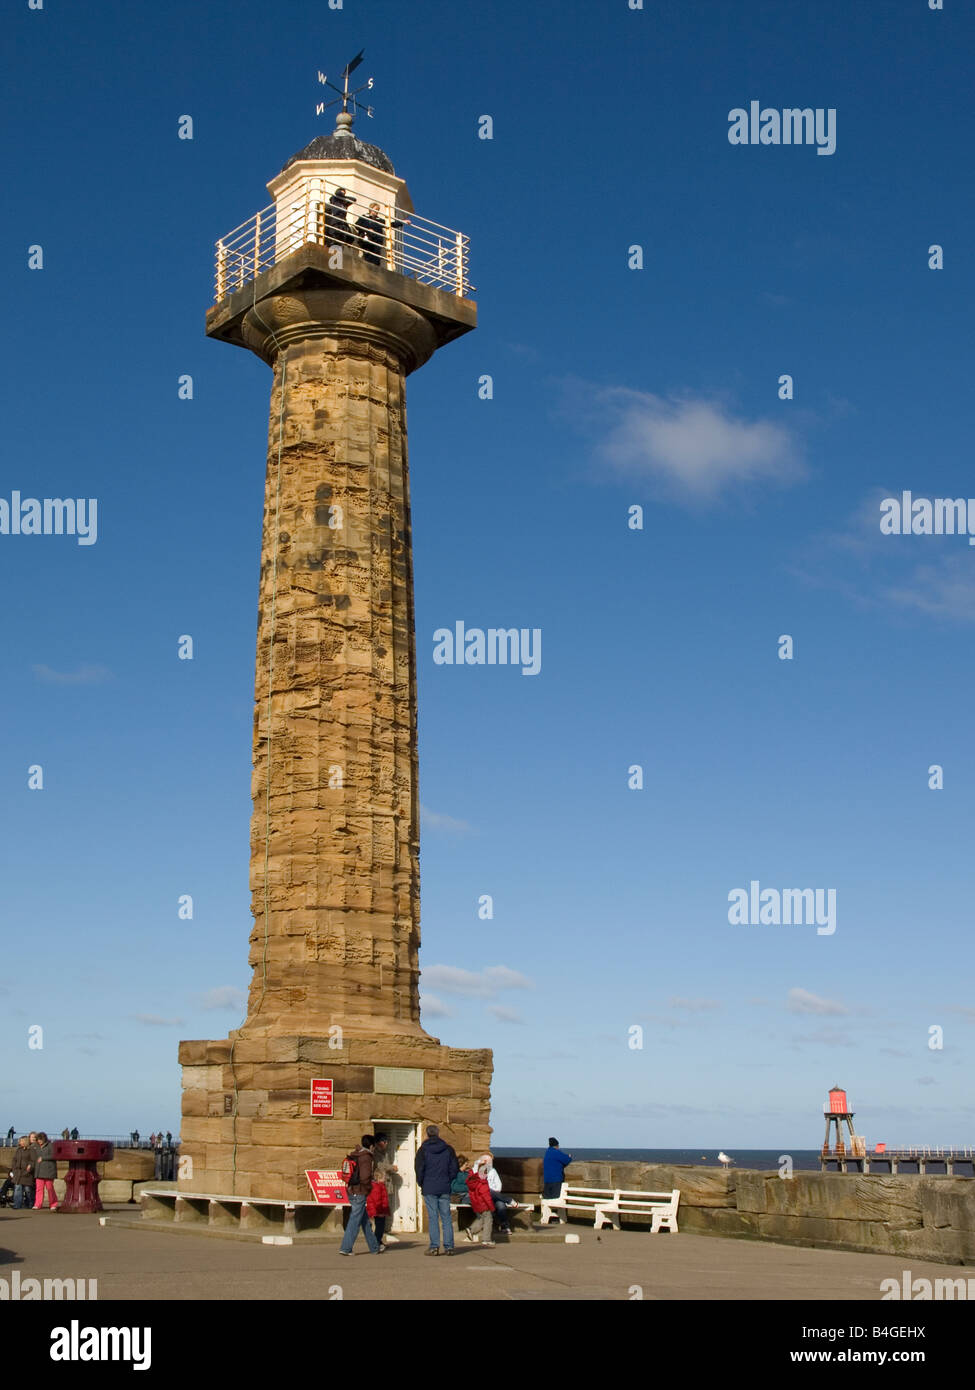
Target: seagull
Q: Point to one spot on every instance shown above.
(724, 1159)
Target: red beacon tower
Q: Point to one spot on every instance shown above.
(837, 1110)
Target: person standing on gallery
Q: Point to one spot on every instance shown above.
(45, 1171)
(371, 231)
(337, 229)
(436, 1167)
(359, 1166)
(554, 1165)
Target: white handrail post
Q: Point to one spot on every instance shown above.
(390, 248)
(461, 268)
(257, 245)
(221, 270)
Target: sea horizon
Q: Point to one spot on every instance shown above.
(807, 1160)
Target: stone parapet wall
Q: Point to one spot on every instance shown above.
(922, 1218)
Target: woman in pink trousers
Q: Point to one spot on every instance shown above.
(45, 1172)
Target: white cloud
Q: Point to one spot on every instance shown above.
(85, 675)
(481, 984)
(435, 820)
(154, 1021)
(225, 997)
(503, 977)
(945, 589)
(696, 448)
(932, 575)
(801, 1001)
(504, 1014)
(432, 1007)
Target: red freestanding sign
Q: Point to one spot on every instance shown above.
(321, 1096)
(327, 1187)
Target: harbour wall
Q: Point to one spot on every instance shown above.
(929, 1218)
(122, 1177)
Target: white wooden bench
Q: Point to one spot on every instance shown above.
(587, 1199)
(661, 1207)
(606, 1205)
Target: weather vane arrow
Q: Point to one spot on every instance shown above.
(346, 97)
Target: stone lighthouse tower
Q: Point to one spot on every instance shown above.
(343, 290)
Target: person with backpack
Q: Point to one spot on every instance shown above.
(436, 1167)
(357, 1172)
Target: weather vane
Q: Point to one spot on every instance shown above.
(346, 97)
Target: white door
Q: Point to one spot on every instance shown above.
(404, 1194)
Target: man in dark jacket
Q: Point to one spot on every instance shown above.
(337, 229)
(436, 1167)
(554, 1165)
(358, 1191)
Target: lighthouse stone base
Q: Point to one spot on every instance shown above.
(247, 1127)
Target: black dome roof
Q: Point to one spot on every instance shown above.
(343, 147)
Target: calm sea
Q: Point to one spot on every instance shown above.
(702, 1158)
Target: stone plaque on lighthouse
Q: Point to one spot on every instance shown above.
(343, 290)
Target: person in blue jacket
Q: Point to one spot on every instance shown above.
(554, 1165)
(436, 1167)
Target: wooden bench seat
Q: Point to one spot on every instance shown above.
(587, 1199)
(607, 1205)
(661, 1207)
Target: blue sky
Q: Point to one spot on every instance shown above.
(613, 387)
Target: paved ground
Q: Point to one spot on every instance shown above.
(134, 1264)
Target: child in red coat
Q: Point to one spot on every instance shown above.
(377, 1203)
(482, 1203)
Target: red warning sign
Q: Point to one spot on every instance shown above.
(321, 1096)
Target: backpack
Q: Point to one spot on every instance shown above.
(350, 1170)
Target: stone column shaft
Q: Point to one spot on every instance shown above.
(335, 829)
